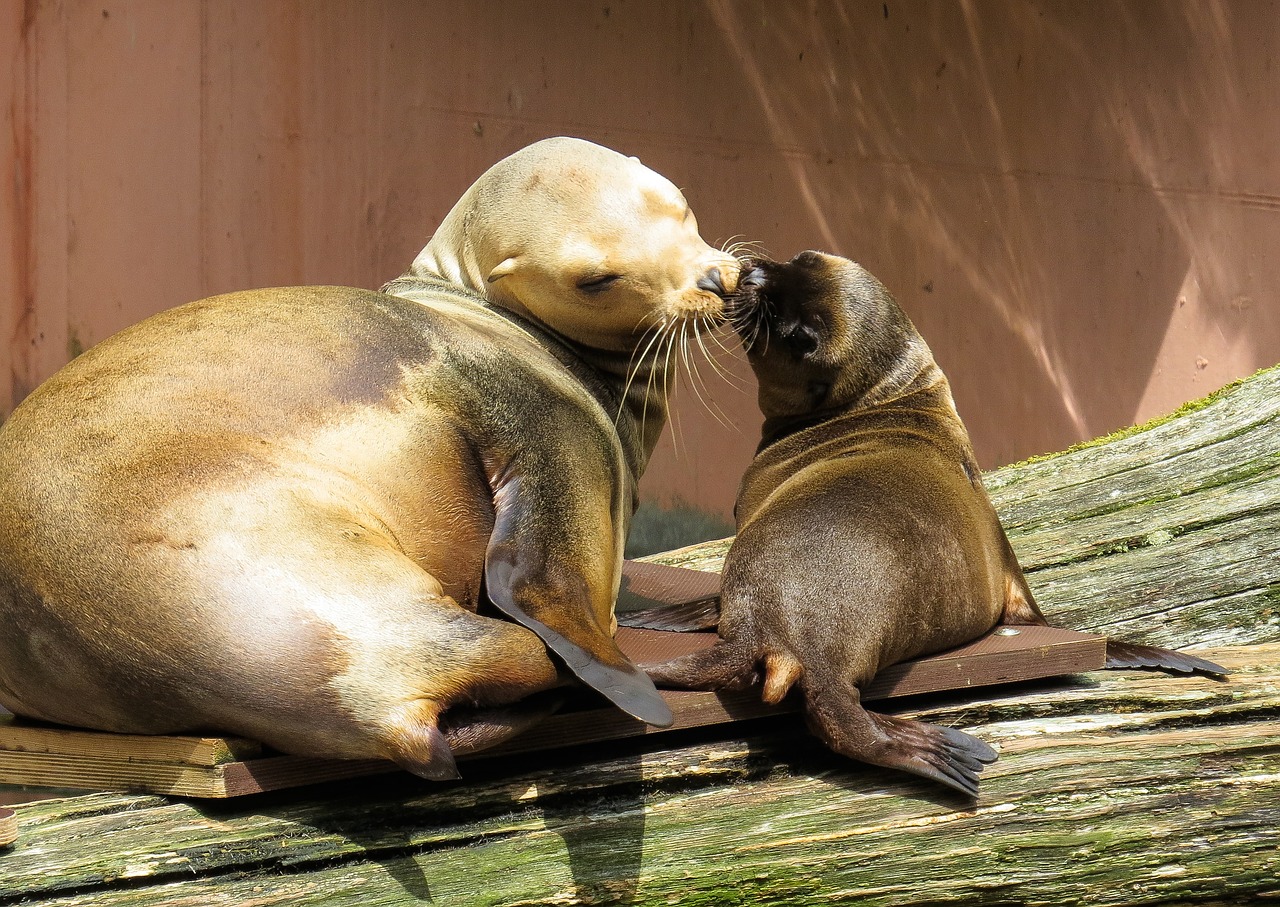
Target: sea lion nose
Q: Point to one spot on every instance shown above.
(713, 282)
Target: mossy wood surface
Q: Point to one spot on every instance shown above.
(1114, 787)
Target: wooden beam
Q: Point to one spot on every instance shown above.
(37, 755)
(1119, 787)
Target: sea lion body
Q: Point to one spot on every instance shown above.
(865, 535)
(289, 514)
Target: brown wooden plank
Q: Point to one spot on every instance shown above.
(38, 755)
(23, 736)
(8, 826)
(1005, 655)
(253, 776)
(647, 585)
(89, 772)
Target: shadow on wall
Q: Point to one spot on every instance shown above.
(1045, 189)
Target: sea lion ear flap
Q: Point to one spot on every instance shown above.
(503, 269)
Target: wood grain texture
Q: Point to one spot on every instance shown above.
(1114, 788)
(1127, 785)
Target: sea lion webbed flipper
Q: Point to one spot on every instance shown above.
(1133, 655)
(552, 565)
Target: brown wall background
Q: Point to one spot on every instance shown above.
(1078, 203)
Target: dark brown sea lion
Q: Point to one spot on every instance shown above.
(285, 513)
(865, 536)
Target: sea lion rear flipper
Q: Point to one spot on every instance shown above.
(686, 618)
(941, 754)
(724, 666)
(1132, 655)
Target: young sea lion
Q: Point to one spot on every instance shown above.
(865, 536)
(284, 513)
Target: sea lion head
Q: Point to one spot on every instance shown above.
(822, 334)
(584, 240)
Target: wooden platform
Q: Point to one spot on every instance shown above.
(219, 767)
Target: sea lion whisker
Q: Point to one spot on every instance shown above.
(764, 318)
(713, 360)
(699, 385)
(652, 370)
(754, 326)
(666, 383)
(633, 368)
(651, 385)
(751, 246)
(713, 330)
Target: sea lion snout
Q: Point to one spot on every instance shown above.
(771, 310)
(713, 282)
(707, 298)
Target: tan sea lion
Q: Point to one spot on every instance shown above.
(865, 535)
(285, 513)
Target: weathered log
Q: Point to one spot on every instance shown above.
(1116, 787)
(1166, 534)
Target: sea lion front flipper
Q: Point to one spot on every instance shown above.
(551, 567)
(1132, 655)
(586, 649)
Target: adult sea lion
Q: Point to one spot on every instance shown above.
(865, 535)
(285, 513)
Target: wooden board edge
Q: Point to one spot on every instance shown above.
(79, 772)
(990, 660)
(8, 826)
(1068, 655)
(256, 776)
(19, 735)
